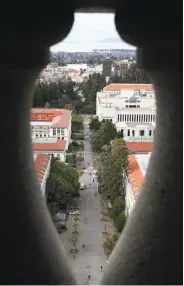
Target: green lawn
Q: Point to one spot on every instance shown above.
(77, 118)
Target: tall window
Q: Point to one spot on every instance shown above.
(141, 132)
(58, 131)
(54, 131)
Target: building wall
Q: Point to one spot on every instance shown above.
(129, 198)
(46, 130)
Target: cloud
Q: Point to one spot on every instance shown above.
(91, 31)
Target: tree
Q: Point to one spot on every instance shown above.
(104, 135)
(62, 184)
(95, 124)
(120, 222)
(114, 163)
(117, 206)
(95, 83)
(109, 243)
(73, 241)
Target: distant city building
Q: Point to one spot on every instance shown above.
(135, 175)
(131, 107)
(51, 123)
(123, 67)
(107, 68)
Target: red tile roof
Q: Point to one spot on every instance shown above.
(127, 86)
(58, 146)
(41, 163)
(139, 146)
(60, 118)
(63, 120)
(135, 176)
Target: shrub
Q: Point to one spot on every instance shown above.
(120, 222)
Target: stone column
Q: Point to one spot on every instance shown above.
(150, 247)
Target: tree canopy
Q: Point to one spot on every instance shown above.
(104, 135)
(112, 170)
(94, 124)
(62, 185)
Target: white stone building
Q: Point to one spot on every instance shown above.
(131, 107)
(51, 123)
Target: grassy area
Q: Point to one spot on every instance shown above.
(77, 118)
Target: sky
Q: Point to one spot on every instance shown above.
(92, 31)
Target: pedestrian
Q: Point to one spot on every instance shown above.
(83, 245)
(89, 276)
(74, 256)
(101, 268)
(93, 180)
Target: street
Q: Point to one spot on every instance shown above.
(90, 258)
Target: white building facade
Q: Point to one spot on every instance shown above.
(51, 123)
(131, 107)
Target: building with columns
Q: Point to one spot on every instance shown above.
(131, 107)
(51, 123)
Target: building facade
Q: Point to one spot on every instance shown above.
(138, 164)
(50, 146)
(131, 107)
(107, 68)
(51, 123)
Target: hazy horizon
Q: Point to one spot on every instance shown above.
(92, 31)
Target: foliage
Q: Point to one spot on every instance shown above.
(109, 243)
(77, 118)
(55, 94)
(71, 159)
(104, 135)
(117, 206)
(95, 83)
(113, 166)
(72, 148)
(68, 94)
(77, 123)
(94, 124)
(62, 184)
(120, 222)
(75, 136)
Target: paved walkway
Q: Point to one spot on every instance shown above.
(91, 257)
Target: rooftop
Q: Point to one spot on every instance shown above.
(119, 86)
(52, 144)
(136, 171)
(41, 162)
(139, 147)
(60, 118)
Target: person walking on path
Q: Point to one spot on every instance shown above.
(101, 268)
